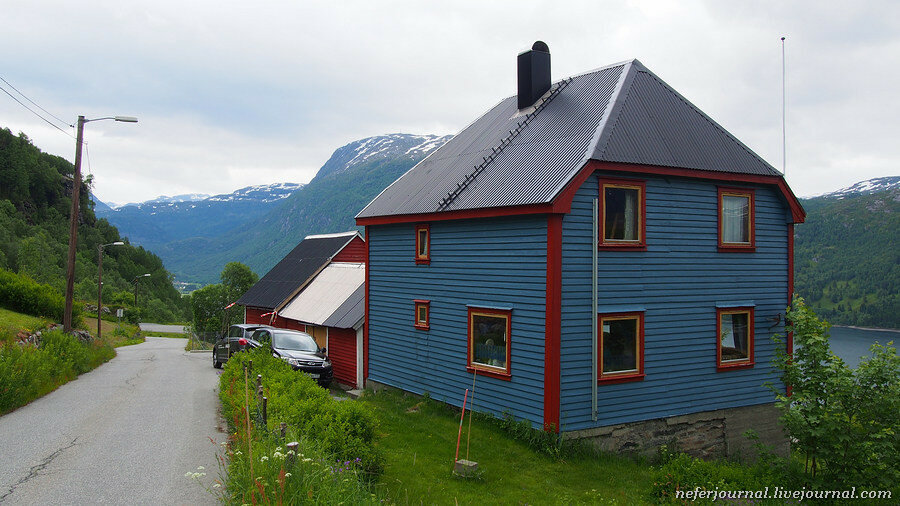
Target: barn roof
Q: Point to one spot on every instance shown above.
(320, 302)
(296, 269)
(511, 157)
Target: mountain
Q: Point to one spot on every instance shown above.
(352, 177)
(847, 254)
(158, 222)
(165, 199)
(35, 202)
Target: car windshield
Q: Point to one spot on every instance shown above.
(294, 341)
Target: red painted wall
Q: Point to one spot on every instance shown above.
(342, 352)
(354, 251)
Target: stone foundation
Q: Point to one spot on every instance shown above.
(709, 434)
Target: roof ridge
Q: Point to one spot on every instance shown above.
(330, 236)
(506, 141)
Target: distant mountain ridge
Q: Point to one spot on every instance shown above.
(195, 243)
(159, 221)
(847, 254)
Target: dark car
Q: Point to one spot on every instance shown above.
(237, 339)
(298, 349)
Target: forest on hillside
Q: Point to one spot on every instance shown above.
(35, 201)
(847, 259)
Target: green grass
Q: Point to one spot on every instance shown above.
(12, 322)
(172, 335)
(116, 334)
(419, 440)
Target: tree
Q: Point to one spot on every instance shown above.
(844, 420)
(237, 278)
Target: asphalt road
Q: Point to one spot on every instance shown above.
(124, 433)
(156, 327)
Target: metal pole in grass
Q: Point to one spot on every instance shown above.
(247, 419)
(459, 436)
(469, 434)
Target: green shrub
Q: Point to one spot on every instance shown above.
(21, 293)
(345, 430)
(28, 372)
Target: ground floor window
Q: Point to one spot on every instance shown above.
(422, 309)
(734, 345)
(621, 347)
(489, 341)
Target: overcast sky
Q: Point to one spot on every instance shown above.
(231, 94)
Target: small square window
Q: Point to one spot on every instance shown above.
(734, 344)
(423, 244)
(622, 214)
(422, 309)
(736, 221)
(489, 341)
(621, 347)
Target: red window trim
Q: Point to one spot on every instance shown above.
(423, 259)
(486, 370)
(735, 364)
(624, 245)
(621, 377)
(417, 303)
(725, 247)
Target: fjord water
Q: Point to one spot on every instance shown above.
(851, 343)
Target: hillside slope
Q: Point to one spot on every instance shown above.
(847, 255)
(352, 177)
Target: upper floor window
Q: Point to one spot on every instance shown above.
(622, 214)
(734, 345)
(489, 346)
(736, 221)
(423, 243)
(422, 310)
(621, 346)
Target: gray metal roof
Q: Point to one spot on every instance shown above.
(294, 270)
(349, 314)
(620, 113)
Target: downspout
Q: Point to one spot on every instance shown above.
(594, 311)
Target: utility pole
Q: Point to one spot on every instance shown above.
(73, 228)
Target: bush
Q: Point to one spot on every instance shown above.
(21, 293)
(341, 431)
(844, 420)
(28, 372)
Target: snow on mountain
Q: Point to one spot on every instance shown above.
(381, 147)
(260, 193)
(165, 199)
(865, 187)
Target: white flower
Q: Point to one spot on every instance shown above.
(187, 474)
(216, 485)
(263, 458)
(277, 448)
(238, 452)
(200, 468)
(278, 455)
(307, 460)
(287, 475)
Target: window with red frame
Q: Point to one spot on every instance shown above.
(423, 244)
(623, 214)
(489, 341)
(736, 220)
(621, 347)
(422, 309)
(734, 343)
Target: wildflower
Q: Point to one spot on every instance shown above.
(238, 452)
(307, 459)
(187, 474)
(287, 475)
(216, 485)
(200, 468)
(278, 455)
(277, 448)
(291, 452)
(264, 458)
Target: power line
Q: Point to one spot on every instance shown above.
(64, 122)
(33, 111)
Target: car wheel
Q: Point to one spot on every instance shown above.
(216, 363)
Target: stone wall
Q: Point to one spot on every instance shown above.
(709, 434)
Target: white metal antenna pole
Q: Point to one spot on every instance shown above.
(783, 108)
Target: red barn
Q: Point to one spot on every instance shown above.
(318, 288)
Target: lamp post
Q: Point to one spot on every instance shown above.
(100, 280)
(73, 216)
(135, 281)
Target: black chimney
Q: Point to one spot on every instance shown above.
(534, 74)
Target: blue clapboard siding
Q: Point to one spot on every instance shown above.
(492, 262)
(678, 282)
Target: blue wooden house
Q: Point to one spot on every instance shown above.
(608, 260)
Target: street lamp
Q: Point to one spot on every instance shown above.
(135, 281)
(73, 216)
(100, 280)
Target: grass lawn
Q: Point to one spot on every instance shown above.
(12, 322)
(109, 332)
(419, 441)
